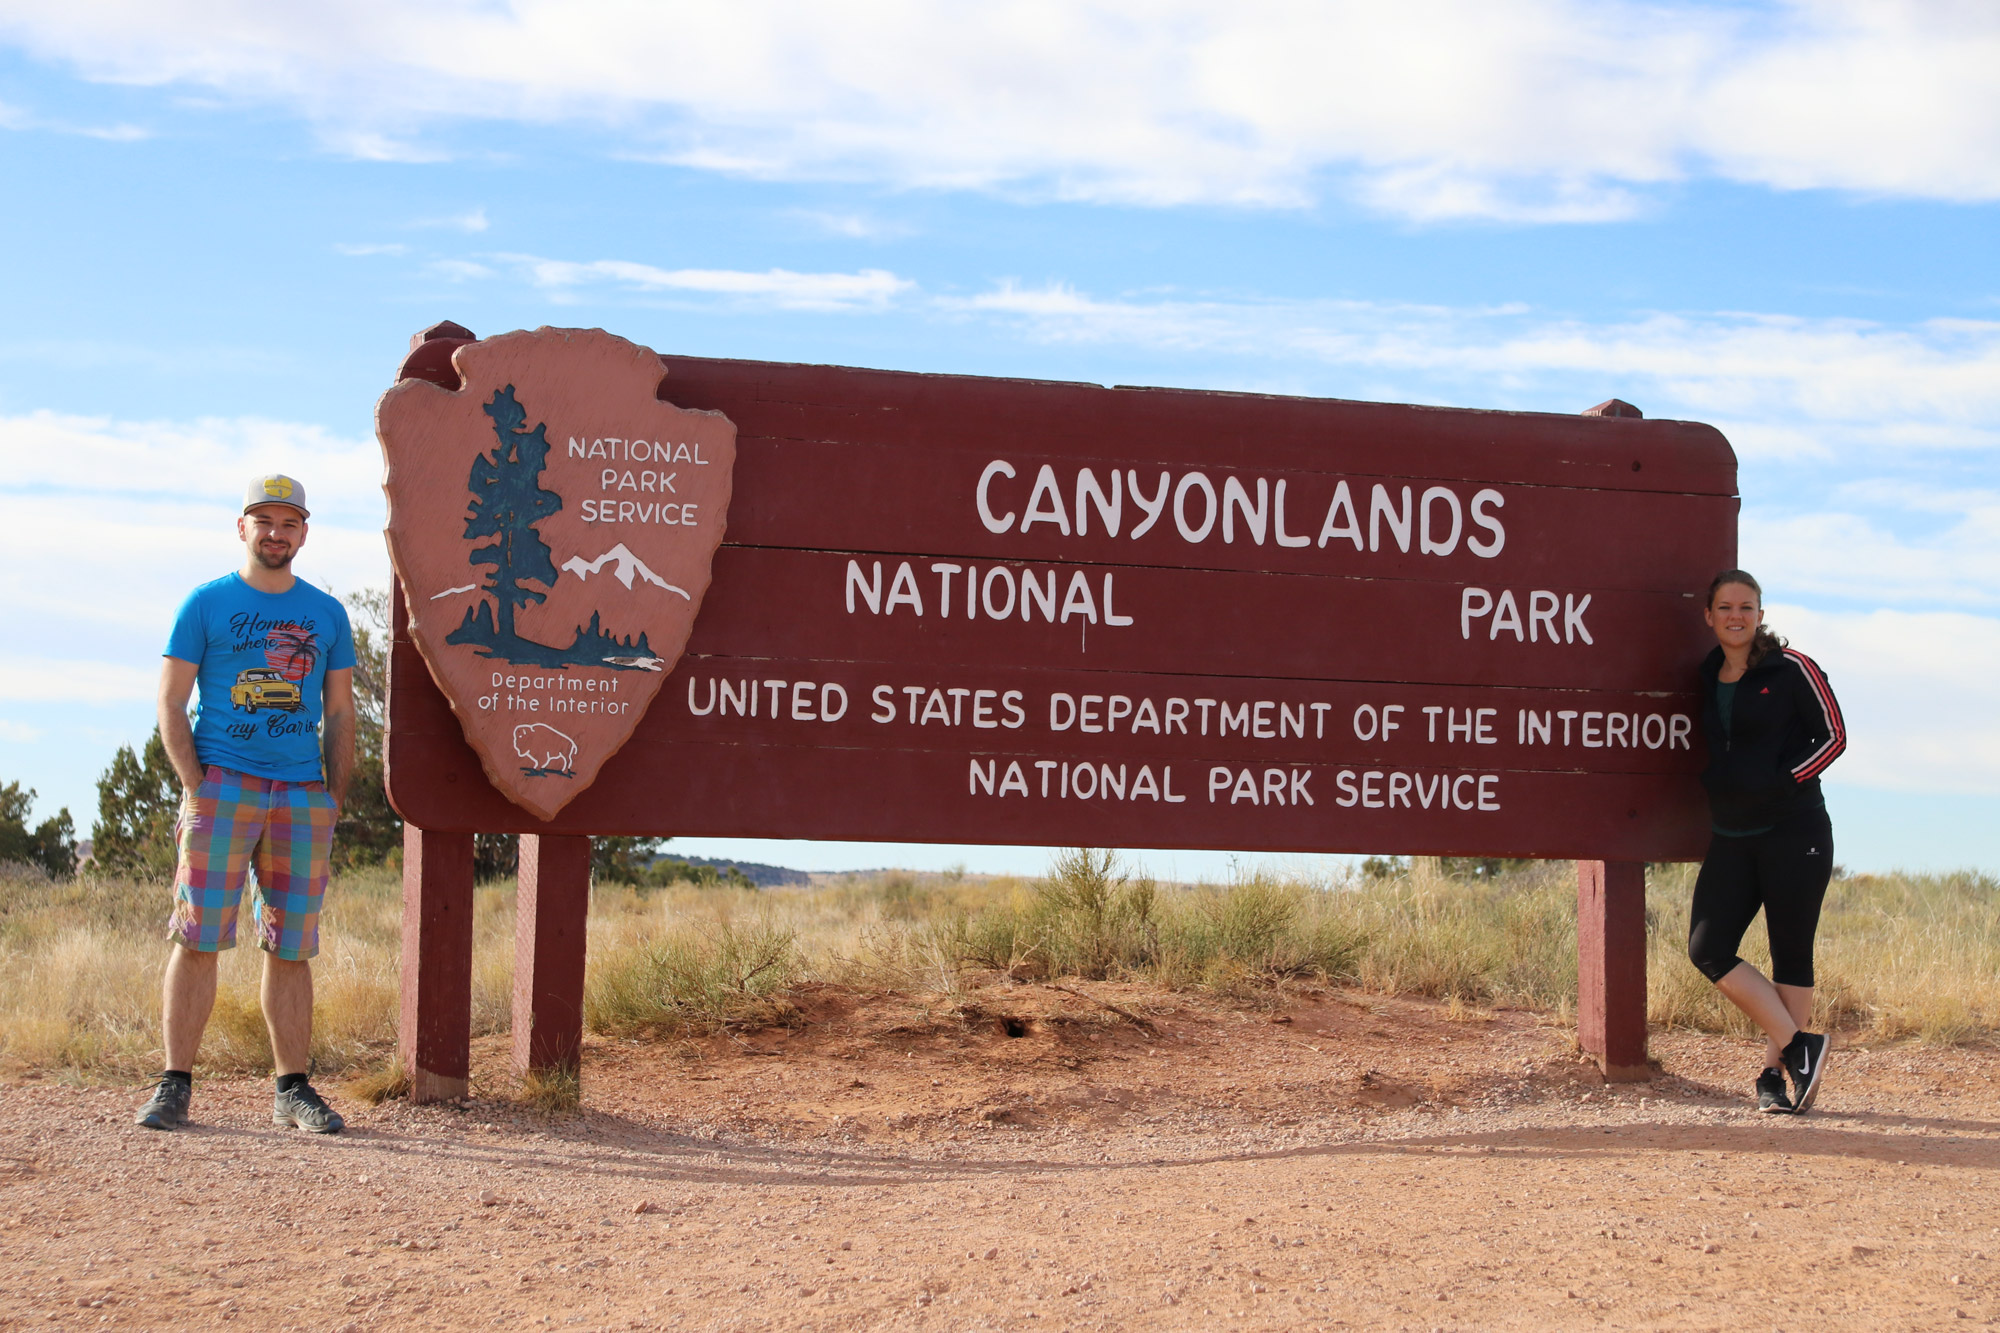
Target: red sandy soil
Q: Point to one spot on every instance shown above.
(1345, 1162)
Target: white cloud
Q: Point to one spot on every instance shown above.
(854, 226)
(68, 680)
(871, 288)
(16, 118)
(1779, 386)
(1440, 192)
(370, 146)
(113, 133)
(460, 270)
(207, 461)
(1918, 691)
(364, 250)
(1851, 551)
(106, 525)
(472, 220)
(1526, 109)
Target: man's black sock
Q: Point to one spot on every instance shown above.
(179, 1075)
(286, 1082)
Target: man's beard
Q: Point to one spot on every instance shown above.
(279, 560)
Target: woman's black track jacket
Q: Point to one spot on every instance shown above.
(1785, 728)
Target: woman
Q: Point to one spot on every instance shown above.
(1773, 727)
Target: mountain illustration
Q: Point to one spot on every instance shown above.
(627, 566)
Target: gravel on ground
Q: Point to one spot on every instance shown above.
(1029, 1158)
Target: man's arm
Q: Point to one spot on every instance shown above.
(337, 732)
(176, 684)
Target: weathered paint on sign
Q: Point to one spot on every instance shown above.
(552, 523)
(957, 609)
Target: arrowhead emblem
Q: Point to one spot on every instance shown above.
(552, 523)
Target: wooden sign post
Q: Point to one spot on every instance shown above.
(955, 609)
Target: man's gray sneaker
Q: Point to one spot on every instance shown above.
(302, 1108)
(168, 1108)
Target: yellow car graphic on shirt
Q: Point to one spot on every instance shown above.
(261, 687)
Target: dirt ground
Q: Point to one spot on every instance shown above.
(1037, 1161)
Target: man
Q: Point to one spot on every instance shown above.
(264, 769)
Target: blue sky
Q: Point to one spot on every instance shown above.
(226, 221)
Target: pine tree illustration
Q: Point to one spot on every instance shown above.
(507, 501)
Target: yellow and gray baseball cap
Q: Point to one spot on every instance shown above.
(275, 488)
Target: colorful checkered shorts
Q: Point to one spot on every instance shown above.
(235, 821)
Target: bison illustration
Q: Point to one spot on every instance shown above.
(546, 749)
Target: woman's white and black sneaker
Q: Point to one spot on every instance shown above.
(1771, 1098)
(300, 1107)
(168, 1107)
(1805, 1061)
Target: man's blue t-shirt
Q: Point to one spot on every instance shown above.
(264, 658)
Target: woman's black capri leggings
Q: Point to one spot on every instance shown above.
(1785, 871)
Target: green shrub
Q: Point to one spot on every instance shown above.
(138, 799)
(693, 977)
(49, 846)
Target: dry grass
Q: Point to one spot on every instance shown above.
(1897, 956)
(556, 1091)
(80, 968)
(1902, 956)
(380, 1084)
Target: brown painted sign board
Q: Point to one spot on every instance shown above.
(957, 609)
(549, 602)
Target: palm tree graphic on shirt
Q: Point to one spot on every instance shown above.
(292, 652)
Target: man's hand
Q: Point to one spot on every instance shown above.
(176, 685)
(337, 733)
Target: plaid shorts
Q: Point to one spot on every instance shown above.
(234, 821)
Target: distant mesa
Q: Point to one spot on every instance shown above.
(627, 566)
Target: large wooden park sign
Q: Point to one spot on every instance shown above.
(654, 594)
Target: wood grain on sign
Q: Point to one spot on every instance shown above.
(955, 609)
(1197, 621)
(552, 523)
(1280, 524)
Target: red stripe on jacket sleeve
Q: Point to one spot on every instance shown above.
(1836, 728)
